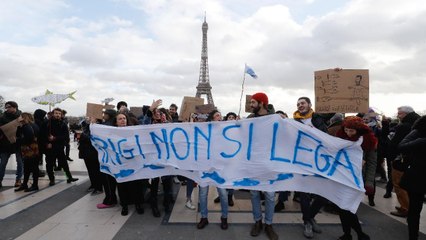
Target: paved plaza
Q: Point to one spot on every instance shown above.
(67, 211)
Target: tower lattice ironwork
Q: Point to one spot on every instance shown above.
(204, 87)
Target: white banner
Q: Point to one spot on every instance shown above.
(266, 153)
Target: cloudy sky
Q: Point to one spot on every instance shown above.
(140, 50)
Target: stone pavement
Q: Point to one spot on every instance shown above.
(67, 211)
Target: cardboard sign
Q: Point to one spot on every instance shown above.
(188, 107)
(343, 91)
(247, 106)
(109, 106)
(94, 110)
(137, 111)
(9, 130)
(206, 108)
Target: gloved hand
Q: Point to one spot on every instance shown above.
(369, 190)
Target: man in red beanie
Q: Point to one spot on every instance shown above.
(306, 115)
(259, 105)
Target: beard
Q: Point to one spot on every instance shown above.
(255, 109)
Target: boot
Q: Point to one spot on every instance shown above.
(18, 183)
(230, 201)
(371, 200)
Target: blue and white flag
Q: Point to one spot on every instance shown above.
(250, 72)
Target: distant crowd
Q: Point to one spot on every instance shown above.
(394, 152)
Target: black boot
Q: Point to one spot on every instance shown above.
(124, 210)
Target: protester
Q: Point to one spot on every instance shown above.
(156, 116)
(27, 139)
(55, 134)
(39, 119)
(229, 117)
(414, 178)
(131, 192)
(109, 183)
(407, 117)
(6, 148)
(259, 105)
(352, 129)
(203, 192)
(89, 154)
(306, 115)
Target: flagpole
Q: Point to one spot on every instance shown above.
(242, 88)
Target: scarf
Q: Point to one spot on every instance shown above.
(297, 115)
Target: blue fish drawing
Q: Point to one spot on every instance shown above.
(282, 177)
(124, 173)
(215, 176)
(246, 182)
(153, 167)
(106, 168)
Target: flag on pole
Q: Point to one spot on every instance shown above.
(250, 72)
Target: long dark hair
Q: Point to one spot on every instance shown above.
(211, 115)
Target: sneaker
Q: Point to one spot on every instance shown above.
(279, 206)
(102, 206)
(257, 228)
(270, 232)
(203, 222)
(189, 205)
(315, 227)
(307, 232)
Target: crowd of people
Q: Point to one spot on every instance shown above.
(393, 152)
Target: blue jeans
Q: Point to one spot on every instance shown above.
(4, 158)
(269, 206)
(203, 195)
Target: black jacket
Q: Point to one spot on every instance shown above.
(402, 130)
(414, 178)
(56, 128)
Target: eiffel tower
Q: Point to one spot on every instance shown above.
(204, 87)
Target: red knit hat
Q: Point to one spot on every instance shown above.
(260, 97)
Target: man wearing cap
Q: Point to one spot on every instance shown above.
(259, 105)
(7, 149)
(306, 115)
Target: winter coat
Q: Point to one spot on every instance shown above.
(414, 178)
